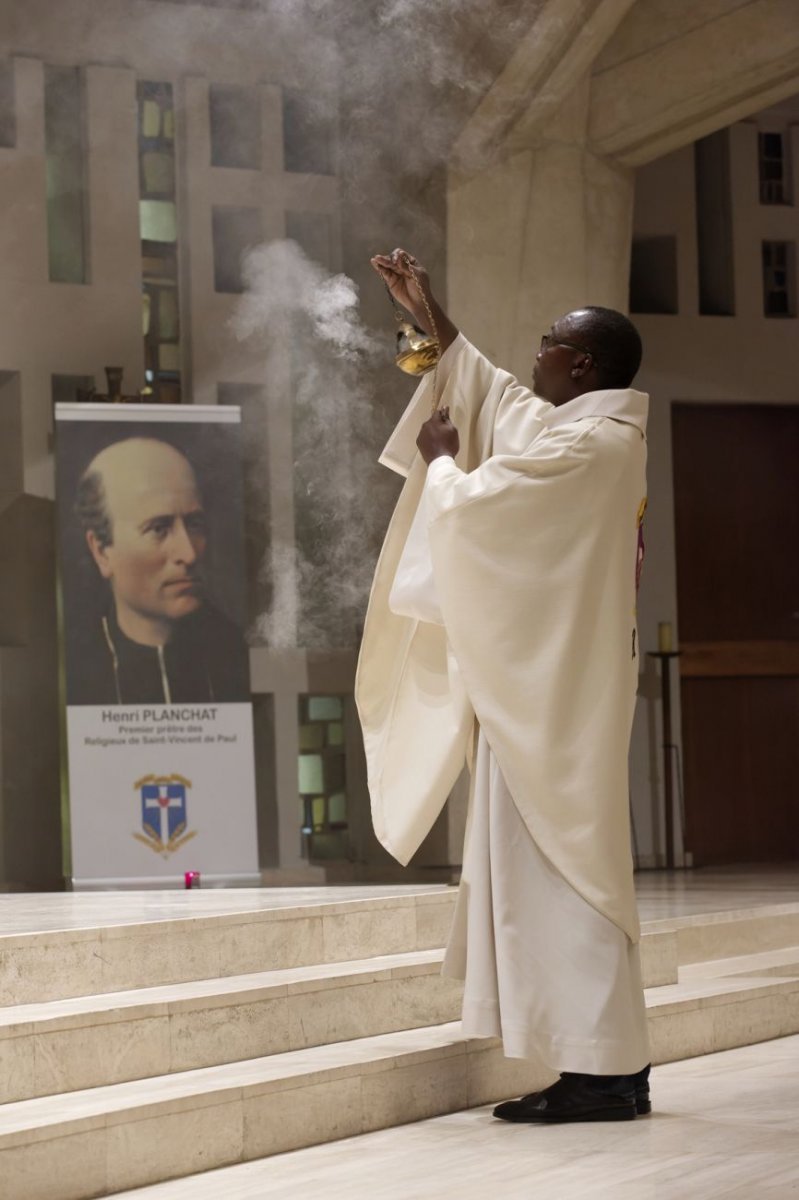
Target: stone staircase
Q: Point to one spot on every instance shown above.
(131, 1054)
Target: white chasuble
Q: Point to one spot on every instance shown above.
(533, 534)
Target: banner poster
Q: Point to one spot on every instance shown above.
(155, 664)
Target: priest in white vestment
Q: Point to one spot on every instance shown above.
(503, 606)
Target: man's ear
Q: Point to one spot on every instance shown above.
(98, 553)
(582, 366)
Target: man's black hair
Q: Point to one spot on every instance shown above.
(614, 342)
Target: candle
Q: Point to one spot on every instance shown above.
(664, 637)
(192, 879)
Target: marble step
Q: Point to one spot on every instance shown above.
(701, 1016)
(86, 1042)
(61, 964)
(769, 962)
(89, 1041)
(109, 957)
(95, 1142)
(708, 936)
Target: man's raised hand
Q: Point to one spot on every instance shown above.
(408, 283)
(397, 270)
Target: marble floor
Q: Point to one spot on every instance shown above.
(725, 1126)
(661, 894)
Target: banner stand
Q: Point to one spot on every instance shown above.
(159, 731)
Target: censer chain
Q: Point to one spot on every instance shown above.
(433, 328)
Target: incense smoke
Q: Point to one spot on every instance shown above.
(401, 75)
(316, 350)
(284, 285)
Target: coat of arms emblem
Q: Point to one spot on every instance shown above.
(163, 813)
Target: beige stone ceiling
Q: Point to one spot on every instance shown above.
(662, 73)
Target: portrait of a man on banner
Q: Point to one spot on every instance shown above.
(140, 622)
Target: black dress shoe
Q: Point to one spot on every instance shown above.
(573, 1098)
(639, 1082)
(643, 1104)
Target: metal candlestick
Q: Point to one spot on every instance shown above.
(665, 657)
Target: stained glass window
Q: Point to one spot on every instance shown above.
(8, 116)
(64, 135)
(158, 221)
(324, 708)
(159, 231)
(779, 281)
(309, 133)
(235, 119)
(313, 232)
(772, 169)
(322, 776)
(234, 231)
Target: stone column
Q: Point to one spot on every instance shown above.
(536, 232)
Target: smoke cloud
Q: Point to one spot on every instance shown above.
(317, 352)
(402, 75)
(283, 284)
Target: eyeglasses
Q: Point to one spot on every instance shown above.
(548, 341)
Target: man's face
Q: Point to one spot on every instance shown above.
(158, 530)
(562, 350)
